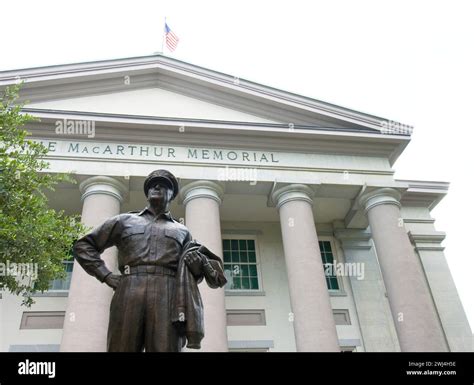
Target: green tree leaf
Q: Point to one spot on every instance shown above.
(31, 233)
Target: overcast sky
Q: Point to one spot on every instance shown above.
(410, 61)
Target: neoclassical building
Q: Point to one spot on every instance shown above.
(323, 249)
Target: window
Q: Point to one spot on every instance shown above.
(240, 264)
(63, 284)
(328, 259)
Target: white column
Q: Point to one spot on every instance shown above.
(415, 317)
(202, 200)
(313, 322)
(87, 313)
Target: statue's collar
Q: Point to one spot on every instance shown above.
(166, 215)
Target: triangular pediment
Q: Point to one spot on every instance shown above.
(150, 102)
(160, 86)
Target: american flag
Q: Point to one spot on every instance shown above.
(171, 39)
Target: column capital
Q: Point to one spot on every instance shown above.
(428, 241)
(381, 196)
(292, 192)
(202, 189)
(102, 185)
(354, 238)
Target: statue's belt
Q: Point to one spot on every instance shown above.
(149, 269)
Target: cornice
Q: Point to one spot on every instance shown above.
(354, 238)
(435, 237)
(427, 241)
(423, 193)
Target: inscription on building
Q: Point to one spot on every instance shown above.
(177, 153)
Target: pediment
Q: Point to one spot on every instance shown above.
(150, 102)
(160, 86)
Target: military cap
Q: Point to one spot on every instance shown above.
(165, 176)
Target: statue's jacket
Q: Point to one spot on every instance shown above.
(187, 308)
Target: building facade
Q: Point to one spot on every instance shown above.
(323, 249)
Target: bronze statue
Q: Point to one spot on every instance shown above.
(156, 306)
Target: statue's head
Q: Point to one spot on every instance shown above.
(161, 185)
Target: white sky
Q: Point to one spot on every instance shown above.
(410, 61)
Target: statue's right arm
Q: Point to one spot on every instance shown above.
(87, 250)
